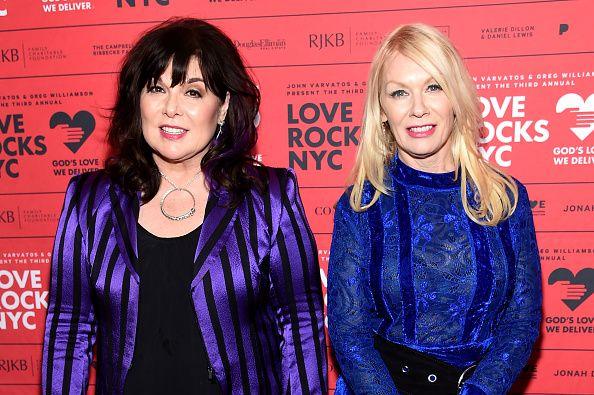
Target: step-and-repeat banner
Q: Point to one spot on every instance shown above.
(532, 62)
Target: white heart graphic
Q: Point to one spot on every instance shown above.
(584, 111)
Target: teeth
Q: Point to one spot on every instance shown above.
(421, 129)
(169, 130)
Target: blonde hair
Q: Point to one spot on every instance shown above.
(495, 193)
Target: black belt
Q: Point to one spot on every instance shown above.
(417, 373)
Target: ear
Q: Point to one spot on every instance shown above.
(223, 108)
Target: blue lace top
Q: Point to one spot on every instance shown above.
(417, 271)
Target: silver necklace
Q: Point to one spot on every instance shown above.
(183, 188)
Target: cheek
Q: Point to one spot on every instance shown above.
(147, 110)
(449, 121)
(396, 117)
(445, 110)
(145, 124)
(448, 113)
(149, 120)
(202, 114)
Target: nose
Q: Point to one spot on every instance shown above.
(418, 107)
(172, 106)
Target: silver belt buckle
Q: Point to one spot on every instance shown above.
(461, 378)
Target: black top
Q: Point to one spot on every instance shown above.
(169, 354)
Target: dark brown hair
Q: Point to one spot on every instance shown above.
(228, 164)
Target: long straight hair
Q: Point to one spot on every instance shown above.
(494, 193)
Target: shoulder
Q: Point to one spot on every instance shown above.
(521, 198)
(516, 196)
(279, 181)
(344, 205)
(523, 209)
(89, 185)
(88, 189)
(344, 202)
(280, 174)
(522, 191)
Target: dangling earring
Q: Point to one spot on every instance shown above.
(220, 130)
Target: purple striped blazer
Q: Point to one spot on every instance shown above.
(256, 292)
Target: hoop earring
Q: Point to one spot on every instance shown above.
(220, 130)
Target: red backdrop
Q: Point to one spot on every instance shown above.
(531, 60)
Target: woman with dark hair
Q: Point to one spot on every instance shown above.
(192, 265)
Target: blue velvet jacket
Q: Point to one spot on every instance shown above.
(417, 271)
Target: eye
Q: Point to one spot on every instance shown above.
(194, 93)
(398, 93)
(154, 89)
(434, 88)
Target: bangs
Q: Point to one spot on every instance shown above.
(176, 48)
(175, 43)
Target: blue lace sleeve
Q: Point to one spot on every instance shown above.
(518, 326)
(351, 313)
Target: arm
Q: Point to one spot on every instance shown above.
(297, 295)
(70, 321)
(518, 326)
(351, 312)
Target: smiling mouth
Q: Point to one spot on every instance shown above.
(172, 133)
(421, 131)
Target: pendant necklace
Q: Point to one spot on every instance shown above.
(184, 189)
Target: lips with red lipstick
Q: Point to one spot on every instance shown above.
(172, 132)
(421, 130)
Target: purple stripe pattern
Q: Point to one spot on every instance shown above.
(257, 293)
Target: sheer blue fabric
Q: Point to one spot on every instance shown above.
(417, 271)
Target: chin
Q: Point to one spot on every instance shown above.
(171, 156)
(422, 152)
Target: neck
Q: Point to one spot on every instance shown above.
(433, 164)
(179, 172)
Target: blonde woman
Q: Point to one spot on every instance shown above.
(434, 283)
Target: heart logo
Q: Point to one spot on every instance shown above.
(584, 277)
(76, 129)
(533, 203)
(584, 111)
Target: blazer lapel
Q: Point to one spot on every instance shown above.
(216, 228)
(125, 210)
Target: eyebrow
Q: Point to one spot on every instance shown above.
(195, 79)
(405, 85)
(190, 81)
